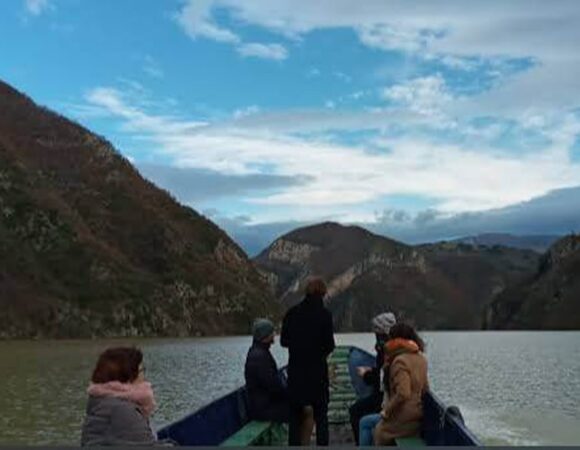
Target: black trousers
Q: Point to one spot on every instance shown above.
(277, 412)
(320, 411)
(363, 407)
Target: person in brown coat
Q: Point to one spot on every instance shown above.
(402, 410)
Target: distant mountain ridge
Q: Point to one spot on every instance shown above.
(538, 243)
(549, 299)
(90, 248)
(437, 286)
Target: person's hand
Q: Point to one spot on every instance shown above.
(363, 370)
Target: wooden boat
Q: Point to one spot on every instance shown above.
(225, 421)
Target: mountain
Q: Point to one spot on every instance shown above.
(549, 299)
(437, 286)
(88, 247)
(538, 243)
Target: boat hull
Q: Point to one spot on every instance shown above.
(220, 420)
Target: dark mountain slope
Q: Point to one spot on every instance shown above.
(90, 248)
(548, 300)
(441, 286)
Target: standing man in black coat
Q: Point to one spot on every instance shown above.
(307, 332)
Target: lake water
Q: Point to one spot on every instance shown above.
(512, 387)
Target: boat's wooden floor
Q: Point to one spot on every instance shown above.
(341, 435)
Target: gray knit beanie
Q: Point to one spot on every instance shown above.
(382, 323)
(262, 328)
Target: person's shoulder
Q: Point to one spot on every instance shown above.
(106, 404)
(398, 365)
(252, 349)
(259, 351)
(422, 358)
(254, 353)
(122, 407)
(408, 360)
(109, 406)
(292, 311)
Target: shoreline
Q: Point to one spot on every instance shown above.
(231, 336)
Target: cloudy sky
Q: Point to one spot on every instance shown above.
(420, 120)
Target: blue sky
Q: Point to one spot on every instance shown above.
(267, 114)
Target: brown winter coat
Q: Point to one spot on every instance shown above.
(402, 411)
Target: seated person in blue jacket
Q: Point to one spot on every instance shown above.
(267, 394)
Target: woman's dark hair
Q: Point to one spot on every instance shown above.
(118, 364)
(406, 331)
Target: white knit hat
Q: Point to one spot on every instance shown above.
(382, 323)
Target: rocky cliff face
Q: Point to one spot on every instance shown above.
(549, 299)
(440, 286)
(90, 248)
(538, 243)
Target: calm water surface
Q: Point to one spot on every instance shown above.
(512, 387)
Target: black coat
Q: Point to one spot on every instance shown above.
(373, 376)
(308, 333)
(263, 384)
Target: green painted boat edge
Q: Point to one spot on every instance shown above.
(258, 433)
(411, 441)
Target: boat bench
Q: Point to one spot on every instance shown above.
(412, 441)
(257, 433)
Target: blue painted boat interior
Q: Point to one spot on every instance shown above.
(212, 424)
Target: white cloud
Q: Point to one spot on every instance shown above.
(342, 177)
(244, 112)
(265, 51)
(553, 213)
(313, 72)
(152, 68)
(323, 120)
(457, 62)
(109, 101)
(195, 19)
(395, 37)
(342, 76)
(456, 33)
(37, 7)
(425, 95)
